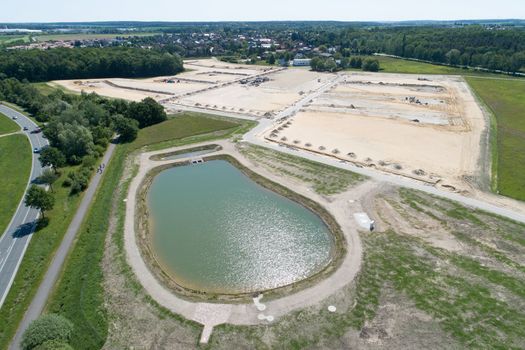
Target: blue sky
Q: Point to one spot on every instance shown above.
(244, 10)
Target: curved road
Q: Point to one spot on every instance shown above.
(15, 239)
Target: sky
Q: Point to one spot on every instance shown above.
(245, 10)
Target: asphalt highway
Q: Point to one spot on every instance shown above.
(15, 239)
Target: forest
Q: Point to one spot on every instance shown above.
(491, 48)
(87, 63)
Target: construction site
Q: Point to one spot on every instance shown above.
(429, 128)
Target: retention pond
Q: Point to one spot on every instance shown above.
(215, 230)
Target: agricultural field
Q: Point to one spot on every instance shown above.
(88, 36)
(506, 100)
(9, 39)
(7, 126)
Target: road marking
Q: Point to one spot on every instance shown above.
(13, 275)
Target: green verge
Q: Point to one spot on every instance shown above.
(79, 292)
(405, 66)
(14, 174)
(398, 65)
(506, 100)
(7, 126)
(187, 124)
(44, 243)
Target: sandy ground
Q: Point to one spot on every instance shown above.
(283, 89)
(214, 85)
(340, 206)
(425, 127)
(369, 119)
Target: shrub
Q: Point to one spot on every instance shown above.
(89, 162)
(47, 328)
(54, 345)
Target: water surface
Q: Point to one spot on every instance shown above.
(216, 230)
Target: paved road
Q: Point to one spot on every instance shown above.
(42, 295)
(16, 237)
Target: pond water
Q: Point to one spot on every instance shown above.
(216, 230)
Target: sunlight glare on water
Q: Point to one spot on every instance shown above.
(216, 230)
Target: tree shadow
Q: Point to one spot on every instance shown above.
(24, 230)
(27, 228)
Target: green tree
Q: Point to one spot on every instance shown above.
(371, 65)
(51, 156)
(48, 177)
(147, 112)
(127, 128)
(453, 57)
(40, 199)
(45, 329)
(75, 141)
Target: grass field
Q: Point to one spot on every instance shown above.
(322, 178)
(7, 126)
(402, 66)
(395, 65)
(185, 125)
(8, 39)
(82, 299)
(36, 260)
(89, 36)
(14, 174)
(506, 99)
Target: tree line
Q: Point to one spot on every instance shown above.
(329, 64)
(476, 46)
(87, 63)
(79, 129)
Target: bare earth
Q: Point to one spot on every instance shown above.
(369, 119)
(425, 127)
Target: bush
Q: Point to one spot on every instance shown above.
(99, 150)
(89, 162)
(371, 65)
(54, 345)
(79, 180)
(47, 328)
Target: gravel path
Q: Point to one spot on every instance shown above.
(341, 207)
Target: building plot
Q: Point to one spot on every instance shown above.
(428, 128)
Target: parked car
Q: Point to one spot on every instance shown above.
(26, 128)
(15, 117)
(36, 150)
